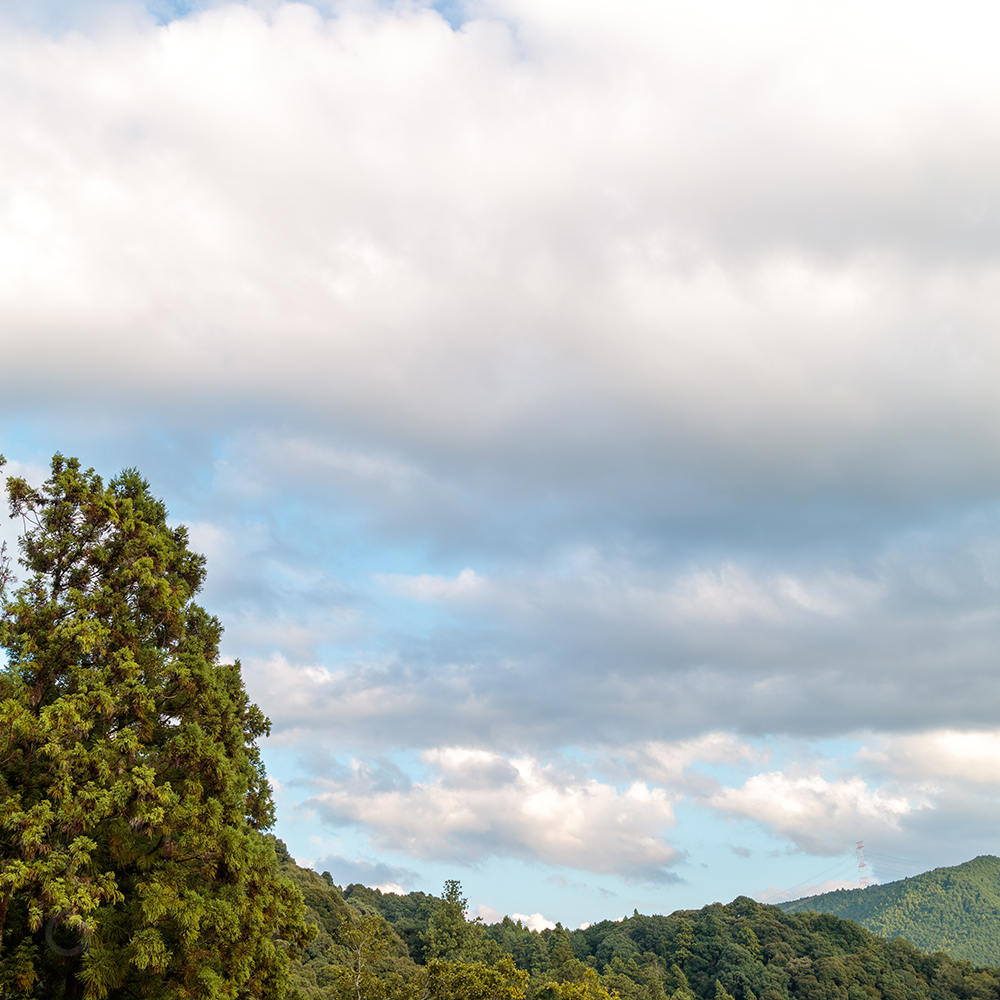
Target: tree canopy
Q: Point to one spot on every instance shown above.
(954, 909)
(133, 793)
(742, 951)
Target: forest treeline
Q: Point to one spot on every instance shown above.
(955, 909)
(385, 946)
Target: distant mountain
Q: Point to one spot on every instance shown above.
(954, 910)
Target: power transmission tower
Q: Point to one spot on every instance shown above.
(863, 879)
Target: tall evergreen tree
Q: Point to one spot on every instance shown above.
(449, 931)
(132, 794)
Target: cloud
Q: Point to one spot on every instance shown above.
(669, 764)
(487, 914)
(730, 594)
(661, 363)
(818, 815)
(697, 599)
(583, 642)
(606, 376)
(775, 894)
(427, 587)
(972, 757)
(371, 701)
(480, 804)
(564, 883)
(376, 874)
(499, 242)
(534, 921)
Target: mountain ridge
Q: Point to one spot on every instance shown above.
(955, 909)
(743, 950)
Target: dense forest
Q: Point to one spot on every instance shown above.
(741, 951)
(956, 910)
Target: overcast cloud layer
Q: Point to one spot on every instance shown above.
(588, 410)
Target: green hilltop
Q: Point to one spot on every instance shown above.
(955, 910)
(421, 947)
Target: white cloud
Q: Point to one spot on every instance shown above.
(387, 473)
(969, 756)
(455, 238)
(481, 804)
(774, 894)
(534, 921)
(646, 336)
(376, 874)
(427, 587)
(606, 647)
(305, 698)
(594, 306)
(725, 595)
(487, 914)
(391, 887)
(820, 816)
(731, 593)
(667, 763)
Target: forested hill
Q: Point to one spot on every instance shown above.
(420, 945)
(956, 910)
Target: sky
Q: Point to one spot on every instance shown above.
(588, 410)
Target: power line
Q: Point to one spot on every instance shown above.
(840, 867)
(871, 866)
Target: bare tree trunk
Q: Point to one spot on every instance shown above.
(72, 990)
(3, 916)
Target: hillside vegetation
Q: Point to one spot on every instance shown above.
(421, 946)
(956, 910)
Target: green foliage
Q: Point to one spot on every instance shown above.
(448, 931)
(743, 951)
(587, 987)
(956, 910)
(360, 970)
(360, 957)
(132, 790)
(409, 915)
(501, 980)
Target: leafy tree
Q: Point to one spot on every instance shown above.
(684, 940)
(589, 987)
(367, 941)
(475, 981)
(560, 949)
(409, 915)
(448, 932)
(746, 937)
(453, 938)
(564, 964)
(133, 794)
(720, 992)
(679, 985)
